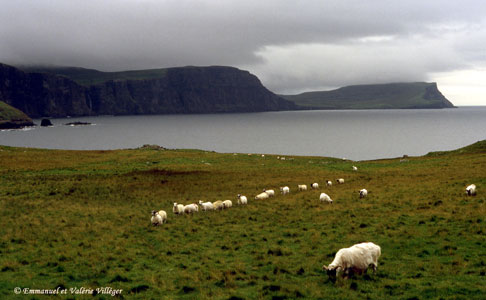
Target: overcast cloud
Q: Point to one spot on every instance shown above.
(292, 46)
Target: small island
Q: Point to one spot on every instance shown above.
(77, 123)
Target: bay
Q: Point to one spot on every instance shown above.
(351, 134)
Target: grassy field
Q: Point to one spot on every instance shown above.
(73, 219)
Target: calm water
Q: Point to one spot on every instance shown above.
(357, 135)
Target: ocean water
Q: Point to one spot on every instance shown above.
(351, 134)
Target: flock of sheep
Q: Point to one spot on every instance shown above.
(353, 260)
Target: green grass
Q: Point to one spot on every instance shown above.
(82, 219)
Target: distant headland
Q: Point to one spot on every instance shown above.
(70, 91)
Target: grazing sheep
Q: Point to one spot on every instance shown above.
(227, 204)
(285, 190)
(355, 168)
(471, 190)
(206, 205)
(302, 187)
(190, 208)
(325, 198)
(329, 182)
(355, 259)
(163, 214)
(270, 193)
(262, 196)
(363, 193)
(314, 186)
(340, 181)
(242, 199)
(218, 205)
(178, 209)
(156, 218)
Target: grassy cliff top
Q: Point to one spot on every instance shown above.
(82, 218)
(375, 96)
(9, 114)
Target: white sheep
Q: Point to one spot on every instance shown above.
(471, 190)
(328, 182)
(357, 259)
(285, 190)
(355, 168)
(325, 198)
(270, 193)
(302, 187)
(340, 181)
(262, 196)
(227, 204)
(158, 218)
(190, 208)
(218, 205)
(314, 186)
(178, 209)
(206, 205)
(242, 199)
(363, 193)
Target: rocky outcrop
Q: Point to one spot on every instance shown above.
(12, 118)
(175, 91)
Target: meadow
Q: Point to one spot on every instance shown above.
(73, 219)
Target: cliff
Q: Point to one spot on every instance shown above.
(375, 96)
(11, 117)
(59, 92)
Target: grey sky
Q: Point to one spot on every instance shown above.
(292, 46)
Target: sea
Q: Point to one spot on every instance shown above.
(350, 134)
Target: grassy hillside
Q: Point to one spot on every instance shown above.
(89, 77)
(11, 117)
(74, 219)
(375, 96)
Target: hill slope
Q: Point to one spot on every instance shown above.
(60, 92)
(10, 117)
(375, 96)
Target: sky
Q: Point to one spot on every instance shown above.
(293, 46)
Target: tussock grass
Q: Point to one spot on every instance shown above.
(82, 219)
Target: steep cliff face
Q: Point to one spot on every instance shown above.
(168, 91)
(39, 94)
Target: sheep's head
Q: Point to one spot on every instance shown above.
(175, 204)
(154, 212)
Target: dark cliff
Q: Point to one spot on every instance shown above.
(49, 92)
(375, 96)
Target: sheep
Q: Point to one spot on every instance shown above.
(329, 182)
(355, 168)
(325, 198)
(262, 196)
(314, 186)
(218, 205)
(178, 209)
(363, 193)
(242, 199)
(158, 218)
(227, 204)
(340, 181)
(471, 190)
(285, 190)
(163, 215)
(357, 259)
(302, 187)
(270, 193)
(190, 208)
(206, 205)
